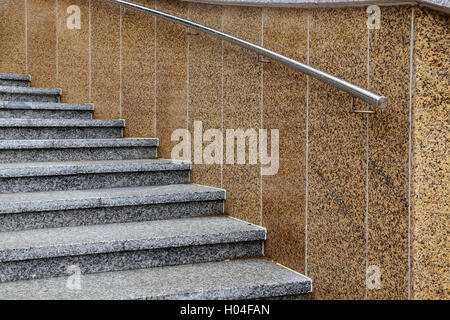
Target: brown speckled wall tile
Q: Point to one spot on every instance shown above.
(242, 109)
(171, 69)
(42, 43)
(12, 37)
(138, 72)
(105, 60)
(205, 85)
(337, 162)
(388, 154)
(430, 162)
(73, 52)
(285, 31)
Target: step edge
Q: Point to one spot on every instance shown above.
(31, 91)
(48, 169)
(293, 285)
(50, 106)
(101, 202)
(60, 123)
(77, 143)
(100, 247)
(15, 76)
(260, 289)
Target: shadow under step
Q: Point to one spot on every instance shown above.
(45, 110)
(82, 175)
(226, 280)
(15, 93)
(22, 211)
(17, 80)
(77, 149)
(50, 252)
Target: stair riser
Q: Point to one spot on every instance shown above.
(41, 133)
(79, 217)
(127, 260)
(14, 83)
(92, 181)
(69, 154)
(44, 114)
(29, 97)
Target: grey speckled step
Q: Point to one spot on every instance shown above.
(225, 280)
(18, 80)
(13, 93)
(38, 129)
(45, 110)
(80, 175)
(77, 149)
(98, 248)
(21, 211)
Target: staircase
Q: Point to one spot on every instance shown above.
(75, 196)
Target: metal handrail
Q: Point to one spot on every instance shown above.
(354, 90)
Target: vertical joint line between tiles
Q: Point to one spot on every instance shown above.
(155, 88)
(26, 36)
(308, 17)
(188, 44)
(261, 119)
(120, 61)
(366, 218)
(90, 51)
(222, 91)
(57, 42)
(411, 70)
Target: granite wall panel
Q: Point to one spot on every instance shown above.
(106, 60)
(388, 154)
(284, 108)
(430, 160)
(242, 109)
(138, 71)
(337, 162)
(73, 50)
(42, 44)
(205, 86)
(12, 36)
(171, 76)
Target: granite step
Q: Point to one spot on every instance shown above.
(45, 110)
(24, 211)
(253, 278)
(14, 93)
(45, 253)
(39, 129)
(77, 149)
(82, 175)
(17, 80)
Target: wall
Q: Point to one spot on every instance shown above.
(340, 201)
(430, 163)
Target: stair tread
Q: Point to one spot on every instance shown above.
(4, 104)
(92, 239)
(27, 169)
(78, 143)
(30, 90)
(60, 123)
(77, 199)
(235, 279)
(13, 76)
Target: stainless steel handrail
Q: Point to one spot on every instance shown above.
(354, 90)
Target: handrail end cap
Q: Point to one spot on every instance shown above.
(382, 102)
